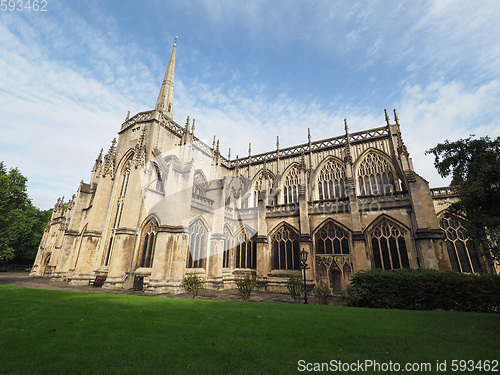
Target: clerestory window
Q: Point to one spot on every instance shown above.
(332, 181)
(376, 176)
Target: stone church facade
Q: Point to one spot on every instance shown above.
(162, 204)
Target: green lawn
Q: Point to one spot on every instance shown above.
(60, 332)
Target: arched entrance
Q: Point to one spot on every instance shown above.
(335, 279)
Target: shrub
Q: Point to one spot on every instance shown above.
(322, 292)
(246, 285)
(295, 286)
(193, 284)
(424, 289)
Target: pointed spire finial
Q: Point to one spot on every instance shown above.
(229, 154)
(192, 128)
(277, 141)
(345, 126)
(387, 120)
(396, 117)
(213, 144)
(165, 101)
(128, 116)
(309, 134)
(249, 149)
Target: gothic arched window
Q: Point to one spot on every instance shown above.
(375, 176)
(245, 250)
(461, 250)
(263, 183)
(332, 181)
(389, 247)
(119, 208)
(332, 239)
(200, 184)
(197, 245)
(286, 249)
(228, 241)
(147, 246)
(291, 186)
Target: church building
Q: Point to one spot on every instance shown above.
(162, 204)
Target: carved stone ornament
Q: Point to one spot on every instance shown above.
(140, 150)
(109, 161)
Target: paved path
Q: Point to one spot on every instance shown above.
(23, 279)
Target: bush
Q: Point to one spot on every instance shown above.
(295, 287)
(246, 285)
(322, 292)
(193, 284)
(424, 289)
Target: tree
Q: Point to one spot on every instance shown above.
(474, 165)
(21, 223)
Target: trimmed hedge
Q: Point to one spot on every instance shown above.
(424, 289)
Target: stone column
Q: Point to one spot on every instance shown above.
(305, 233)
(263, 251)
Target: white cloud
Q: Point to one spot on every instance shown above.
(429, 115)
(66, 82)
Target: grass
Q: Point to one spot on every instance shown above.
(63, 332)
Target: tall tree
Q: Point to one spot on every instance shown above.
(21, 223)
(474, 164)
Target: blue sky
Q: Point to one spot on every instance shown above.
(247, 71)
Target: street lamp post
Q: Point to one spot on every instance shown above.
(303, 266)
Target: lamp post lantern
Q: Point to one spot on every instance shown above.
(303, 266)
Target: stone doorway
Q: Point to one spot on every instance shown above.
(333, 271)
(335, 279)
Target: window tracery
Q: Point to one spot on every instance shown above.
(285, 246)
(245, 249)
(332, 181)
(332, 239)
(263, 183)
(197, 245)
(462, 252)
(119, 209)
(389, 247)
(291, 186)
(148, 245)
(199, 184)
(375, 176)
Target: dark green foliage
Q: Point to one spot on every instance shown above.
(193, 284)
(422, 289)
(21, 224)
(295, 286)
(246, 285)
(322, 292)
(474, 165)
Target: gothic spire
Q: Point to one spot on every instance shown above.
(165, 102)
(98, 163)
